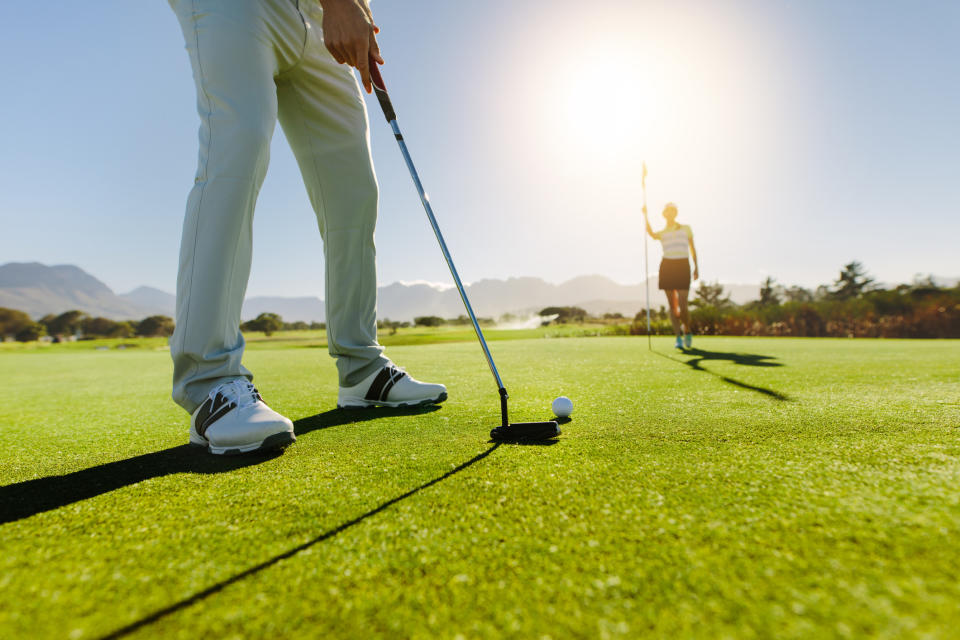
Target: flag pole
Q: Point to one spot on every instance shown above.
(646, 262)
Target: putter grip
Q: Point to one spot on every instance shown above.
(380, 89)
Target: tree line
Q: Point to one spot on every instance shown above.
(78, 325)
(853, 306)
(269, 323)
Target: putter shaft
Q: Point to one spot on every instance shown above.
(383, 98)
(446, 254)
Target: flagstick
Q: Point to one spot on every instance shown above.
(646, 262)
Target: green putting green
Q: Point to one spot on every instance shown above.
(749, 488)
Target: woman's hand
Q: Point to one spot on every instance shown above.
(350, 35)
(696, 272)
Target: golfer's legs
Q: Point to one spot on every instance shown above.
(237, 103)
(323, 115)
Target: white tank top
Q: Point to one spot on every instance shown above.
(676, 242)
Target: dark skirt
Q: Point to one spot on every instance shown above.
(674, 273)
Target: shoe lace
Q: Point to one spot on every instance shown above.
(238, 391)
(398, 373)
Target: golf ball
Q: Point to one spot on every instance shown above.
(562, 407)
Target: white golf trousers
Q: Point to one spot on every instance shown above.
(254, 61)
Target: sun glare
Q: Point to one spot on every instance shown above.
(674, 87)
(604, 105)
(680, 94)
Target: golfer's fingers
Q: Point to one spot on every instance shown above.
(336, 52)
(366, 10)
(375, 49)
(363, 65)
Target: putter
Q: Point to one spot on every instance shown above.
(506, 432)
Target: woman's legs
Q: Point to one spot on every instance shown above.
(673, 305)
(683, 310)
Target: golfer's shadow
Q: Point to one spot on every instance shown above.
(747, 359)
(24, 499)
(199, 596)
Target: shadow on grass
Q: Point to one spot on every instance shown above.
(219, 586)
(337, 417)
(747, 359)
(24, 499)
(525, 443)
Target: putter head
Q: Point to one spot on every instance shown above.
(525, 431)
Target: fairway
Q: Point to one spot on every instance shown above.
(754, 487)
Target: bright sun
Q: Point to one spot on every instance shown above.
(604, 102)
(604, 110)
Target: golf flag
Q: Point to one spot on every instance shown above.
(646, 262)
(643, 182)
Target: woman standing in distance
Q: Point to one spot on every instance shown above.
(677, 241)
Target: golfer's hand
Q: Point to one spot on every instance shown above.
(350, 35)
(696, 273)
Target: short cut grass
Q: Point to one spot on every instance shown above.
(753, 488)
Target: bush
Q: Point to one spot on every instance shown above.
(392, 325)
(266, 322)
(660, 324)
(428, 321)
(68, 323)
(565, 315)
(12, 322)
(155, 326)
(31, 332)
(105, 328)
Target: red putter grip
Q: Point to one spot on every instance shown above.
(380, 88)
(375, 74)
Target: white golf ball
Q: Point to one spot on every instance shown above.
(562, 407)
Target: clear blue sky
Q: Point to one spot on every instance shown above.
(794, 136)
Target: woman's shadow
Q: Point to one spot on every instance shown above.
(24, 499)
(747, 359)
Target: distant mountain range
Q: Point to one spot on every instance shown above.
(39, 289)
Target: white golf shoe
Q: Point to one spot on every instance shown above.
(234, 419)
(390, 387)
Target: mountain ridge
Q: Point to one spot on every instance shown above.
(39, 289)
